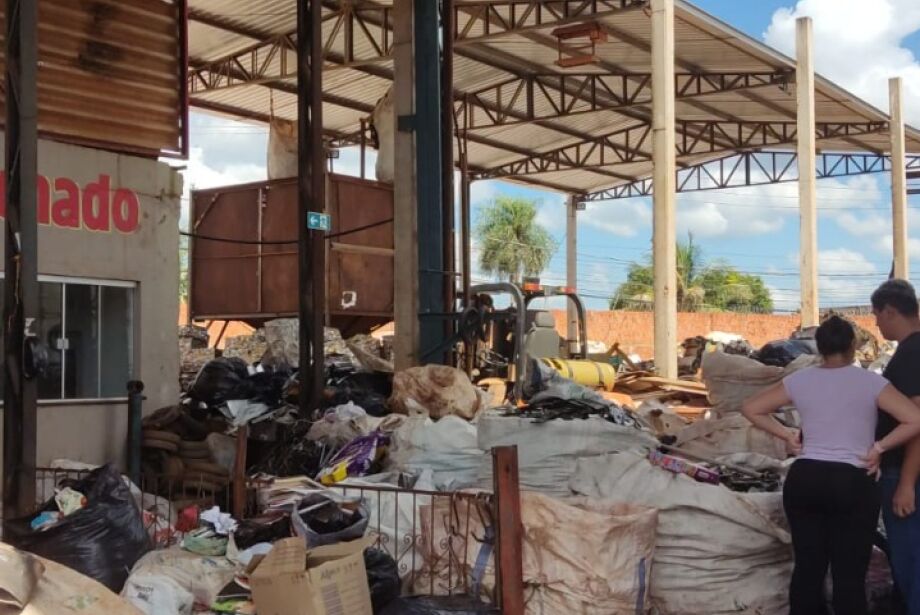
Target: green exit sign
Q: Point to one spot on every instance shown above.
(319, 222)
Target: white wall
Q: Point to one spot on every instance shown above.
(147, 256)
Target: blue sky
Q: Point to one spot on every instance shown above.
(858, 44)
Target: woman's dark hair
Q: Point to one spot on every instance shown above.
(835, 336)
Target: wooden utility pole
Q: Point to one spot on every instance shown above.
(405, 196)
(808, 195)
(664, 178)
(571, 267)
(898, 180)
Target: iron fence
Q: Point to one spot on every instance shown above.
(441, 542)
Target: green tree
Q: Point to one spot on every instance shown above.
(512, 242)
(716, 286)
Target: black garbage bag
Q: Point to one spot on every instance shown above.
(222, 379)
(270, 527)
(369, 390)
(321, 521)
(783, 352)
(103, 540)
(267, 386)
(382, 578)
(439, 605)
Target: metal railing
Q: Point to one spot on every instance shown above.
(444, 543)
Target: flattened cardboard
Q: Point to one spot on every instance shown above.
(329, 580)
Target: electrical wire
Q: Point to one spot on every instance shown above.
(282, 242)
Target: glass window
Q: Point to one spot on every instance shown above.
(89, 332)
(117, 357)
(81, 315)
(50, 331)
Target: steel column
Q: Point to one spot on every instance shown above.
(311, 190)
(429, 170)
(20, 300)
(135, 429)
(447, 176)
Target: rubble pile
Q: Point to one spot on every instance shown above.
(193, 353)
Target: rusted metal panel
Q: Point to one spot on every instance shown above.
(510, 530)
(255, 282)
(111, 73)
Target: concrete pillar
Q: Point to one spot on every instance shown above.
(808, 196)
(571, 267)
(405, 196)
(664, 178)
(898, 180)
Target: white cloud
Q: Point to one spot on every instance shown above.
(701, 219)
(885, 243)
(844, 261)
(483, 191)
(835, 288)
(619, 218)
(868, 225)
(858, 45)
(197, 174)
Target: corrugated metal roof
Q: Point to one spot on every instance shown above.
(221, 28)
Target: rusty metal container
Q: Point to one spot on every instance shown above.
(255, 282)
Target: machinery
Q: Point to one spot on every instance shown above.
(505, 339)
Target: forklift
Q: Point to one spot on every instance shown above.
(505, 340)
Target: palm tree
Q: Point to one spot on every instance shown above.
(690, 294)
(716, 286)
(512, 242)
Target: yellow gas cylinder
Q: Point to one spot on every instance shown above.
(588, 373)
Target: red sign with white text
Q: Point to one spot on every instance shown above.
(63, 203)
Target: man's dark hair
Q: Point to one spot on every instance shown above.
(835, 336)
(900, 295)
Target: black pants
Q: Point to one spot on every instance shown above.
(833, 511)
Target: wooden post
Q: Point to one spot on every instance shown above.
(571, 265)
(808, 195)
(898, 180)
(664, 178)
(509, 530)
(405, 196)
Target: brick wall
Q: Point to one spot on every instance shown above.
(634, 330)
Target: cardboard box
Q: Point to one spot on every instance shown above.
(329, 580)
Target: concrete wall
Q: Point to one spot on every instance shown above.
(148, 256)
(635, 330)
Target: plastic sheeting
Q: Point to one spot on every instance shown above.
(733, 378)
(435, 391)
(448, 448)
(731, 435)
(580, 555)
(718, 552)
(548, 452)
(202, 577)
(282, 149)
(384, 122)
